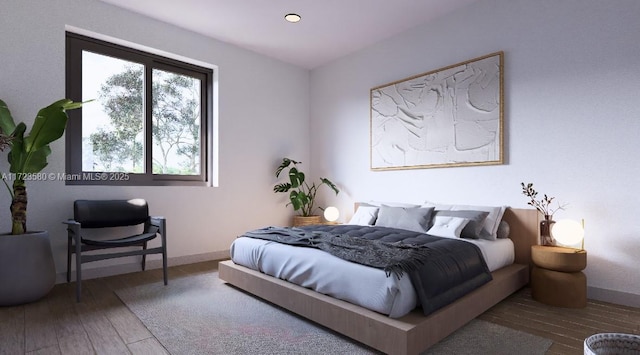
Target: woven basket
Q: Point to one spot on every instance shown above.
(612, 344)
(299, 221)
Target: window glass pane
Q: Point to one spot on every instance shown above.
(148, 120)
(112, 126)
(176, 124)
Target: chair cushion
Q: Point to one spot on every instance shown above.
(110, 213)
(122, 242)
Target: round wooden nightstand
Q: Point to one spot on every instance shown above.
(557, 278)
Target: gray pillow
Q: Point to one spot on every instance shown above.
(476, 221)
(503, 230)
(415, 219)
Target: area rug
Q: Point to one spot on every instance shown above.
(203, 315)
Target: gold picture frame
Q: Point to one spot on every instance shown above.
(452, 116)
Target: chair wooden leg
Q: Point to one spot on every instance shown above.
(78, 279)
(144, 256)
(69, 246)
(164, 267)
(78, 272)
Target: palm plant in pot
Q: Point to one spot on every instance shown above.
(27, 270)
(302, 195)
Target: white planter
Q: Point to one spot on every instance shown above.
(612, 344)
(27, 270)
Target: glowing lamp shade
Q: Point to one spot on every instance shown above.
(567, 231)
(331, 214)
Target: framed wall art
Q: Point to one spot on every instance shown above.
(451, 116)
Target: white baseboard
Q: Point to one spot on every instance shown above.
(611, 296)
(111, 270)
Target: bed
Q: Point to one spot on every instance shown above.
(397, 333)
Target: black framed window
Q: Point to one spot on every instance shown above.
(147, 123)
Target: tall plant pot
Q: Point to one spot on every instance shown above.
(27, 270)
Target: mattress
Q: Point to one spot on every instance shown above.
(358, 284)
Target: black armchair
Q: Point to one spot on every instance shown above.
(91, 214)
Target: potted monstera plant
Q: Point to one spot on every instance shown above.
(27, 270)
(302, 195)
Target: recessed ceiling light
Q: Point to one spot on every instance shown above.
(293, 18)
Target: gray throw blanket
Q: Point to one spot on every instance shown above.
(393, 258)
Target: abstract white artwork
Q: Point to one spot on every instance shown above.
(451, 116)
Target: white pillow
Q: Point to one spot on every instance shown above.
(491, 223)
(364, 216)
(391, 204)
(447, 227)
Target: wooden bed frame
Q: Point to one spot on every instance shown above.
(410, 334)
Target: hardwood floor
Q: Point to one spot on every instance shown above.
(101, 324)
(567, 328)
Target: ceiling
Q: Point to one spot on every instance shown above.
(329, 29)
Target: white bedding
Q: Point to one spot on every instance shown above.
(358, 284)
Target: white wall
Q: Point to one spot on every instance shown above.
(257, 97)
(572, 120)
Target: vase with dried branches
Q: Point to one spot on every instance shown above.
(543, 206)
